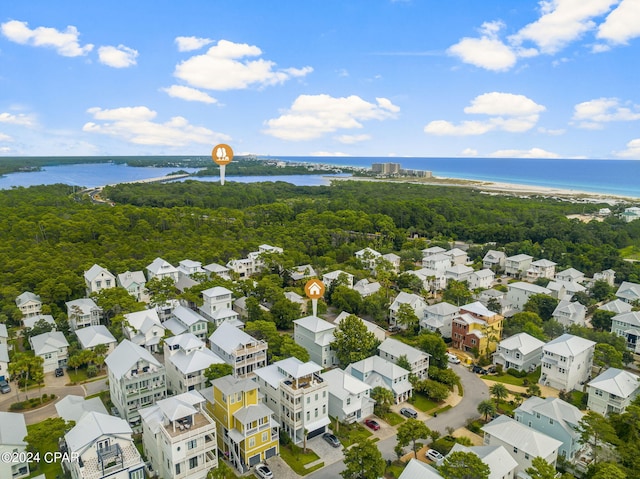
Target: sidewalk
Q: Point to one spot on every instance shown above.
(545, 391)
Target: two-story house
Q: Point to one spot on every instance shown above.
(368, 258)
(186, 358)
(217, 305)
(52, 347)
(179, 437)
(417, 304)
(349, 398)
(519, 293)
(377, 371)
(458, 272)
(329, 278)
(432, 250)
(482, 279)
(517, 265)
(134, 282)
(302, 272)
(93, 336)
(316, 335)
(629, 292)
(542, 268)
(555, 418)
(494, 260)
(187, 268)
(392, 350)
(366, 288)
(457, 256)
(616, 306)
(13, 430)
(566, 362)
(247, 430)
(521, 352)
(501, 464)
(627, 325)
(571, 275)
(394, 260)
(476, 328)
(439, 317)
(437, 262)
(521, 442)
(29, 304)
(144, 329)
(431, 279)
(241, 351)
(98, 278)
(100, 447)
(136, 380)
(569, 313)
(185, 320)
(217, 269)
(612, 391)
(72, 407)
(160, 269)
(298, 395)
(83, 312)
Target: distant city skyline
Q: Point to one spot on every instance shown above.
(378, 78)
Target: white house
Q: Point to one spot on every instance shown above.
(316, 335)
(179, 437)
(494, 260)
(185, 320)
(519, 293)
(481, 279)
(185, 359)
(217, 306)
(569, 313)
(457, 256)
(392, 349)
(630, 214)
(366, 288)
(628, 292)
(379, 333)
(437, 262)
(13, 430)
(98, 278)
(302, 272)
(187, 268)
(566, 362)
(417, 304)
(394, 260)
(72, 407)
(438, 317)
(134, 282)
(349, 398)
(217, 269)
(555, 418)
(29, 304)
(136, 380)
(521, 442)
(93, 336)
(100, 447)
(144, 329)
(298, 396)
(416, 469)
(33, 320)
(564, 289)
(238, 349)
(608, 275)
(332, 276)
(517, 265)
(616, 306)
(296, 298)
(521, 351)
(501, 464)
(377, 371)
(243, 267)
(458, 272)
(432, 280)
(83, 312)
(161, 269)
(52, 347)
(432, 250)
(542, 268)
(570, 275)
(612, 391)
(628, 326)
(368, 257)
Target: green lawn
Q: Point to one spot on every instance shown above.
(81, 376)
(297, 459)
(392, 418)
(394, 469)
(420, 402)
(350, 433)
(509, 379)
(630, 252)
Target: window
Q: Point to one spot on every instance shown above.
(515, 449)
(526, 456)
(316, 412)
(137, 474)
(193, 463)
(192, 444)
(597, 392)
(265, 436)
(252, 442)
(308, 415)
(177, 468)
(348, 401)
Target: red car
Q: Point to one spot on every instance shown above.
(372, 424)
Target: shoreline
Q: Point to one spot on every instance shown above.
(510, 189)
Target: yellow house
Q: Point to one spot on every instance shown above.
(476, 328)
(247, 431)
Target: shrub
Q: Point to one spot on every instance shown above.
(517, 374)
(92, 371)
(17, 406)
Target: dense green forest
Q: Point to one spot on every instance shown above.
(48, 236)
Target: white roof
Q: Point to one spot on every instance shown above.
(31, 322)
(616, 306)
(159, 266)
(4, 353)
(187, 316)
(230, 385)
(478, 309)
(189, 263)
(180, 406)
(398, 348)
(632, 318)
(519, 257)
(406, 298)
(143, 321)
(288, 368)
(419, 470)
(94, 271)
(334, 274)
(72, 407)
(126, 355)
(365, 288)
(460, 269)
(392, 257)
(379, 365)
(216, 268)
(570, 273)
(86, 305)
(617, 382)
(302, 271)
(532, 288)
(215, 291)
(367, 250)
(513, 433)
(195, 360)
(26, 297)
(48, 342)
(293, 297)
(484, 273)
(433, 250)
(493, 255)
(569, 286)
(570, 307)
(91, 336)
(91, 427)
(522, 342)
(343, 385)
(228, 338)
(543, 263)
(128, 278)
(560, 411)
(13, 429)
(500, 462)
(629, 291)
(185, 341)
(568, 345)
(442, 309)
(314, 324)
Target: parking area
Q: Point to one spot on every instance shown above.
(326, 451)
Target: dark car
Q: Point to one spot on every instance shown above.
(478, 369)
(4, 387)
(372, 424)
(331, 439)
(408, 412)
(59, 372)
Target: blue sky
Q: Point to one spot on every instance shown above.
(490, 78)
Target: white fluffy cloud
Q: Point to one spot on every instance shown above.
(487, 52)
(117, 57)
(622, 24)
(4, 137)
(65, 43)
(20, 119)
(226, 66)
(351, 139)
(532, 153)
(506, 111)
(135, 125)
(592, 114)
(189, 94)
(188, 44)
(312, 116)
(632, 152)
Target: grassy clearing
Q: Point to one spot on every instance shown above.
(350, 433)
(422, 403)
(394, 469)
(505, 378)
(392, 418)
(296, 458)
(630, 252)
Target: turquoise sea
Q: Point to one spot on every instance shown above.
(617, 177)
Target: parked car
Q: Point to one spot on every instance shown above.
(4, 387)
(452, 358)
(59, 372)
(331, 439)
(478, 369)
(408, 412)
(434, 455)
(263, 471)
(372, 424)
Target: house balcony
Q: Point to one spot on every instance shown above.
(190, 427)
(109, 461)
(310, 382)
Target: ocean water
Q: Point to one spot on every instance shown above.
(616, 177)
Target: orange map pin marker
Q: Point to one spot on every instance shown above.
(222, 155)
(314, 290)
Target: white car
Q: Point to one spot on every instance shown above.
(434, 455)
(263, 471)
(452, 358)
